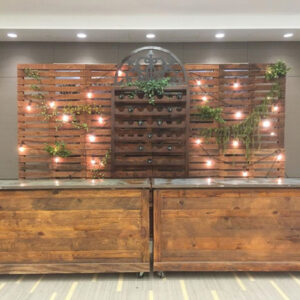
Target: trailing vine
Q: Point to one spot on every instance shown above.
(97, 171)
(247, 129)
(150, 88)
(58, 149)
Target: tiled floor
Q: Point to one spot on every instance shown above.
(181, 286)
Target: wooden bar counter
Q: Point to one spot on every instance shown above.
(226, 225)
(74, 226)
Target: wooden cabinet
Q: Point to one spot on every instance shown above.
(225, 229)
(74, 231)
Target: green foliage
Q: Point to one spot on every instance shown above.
(207, 113)
(58, 149)
(151, 88)
(276, 70)
(32, 74)
(97, 172)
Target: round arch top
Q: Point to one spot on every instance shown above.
(149, 63)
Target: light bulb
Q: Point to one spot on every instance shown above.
(198, 82)
(209, 180)
(93, 161)
(57, 182)
(275, 108)
(92, 138)
(52, 104)
(22, 148)
(235, 143)
(198, 141)
(279, 156)
(245, 173)
(56, 159)
(204, 98)
(279, 181)
(238, 115)
(65, 118)
(209, 163)
(28, 107)
(266, 123)
(100, 120)
(93, 181)
(89, 95)
(236, 85)
(120, 73)
(272, 133)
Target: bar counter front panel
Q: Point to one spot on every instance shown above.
(75, 226)
(226, 225)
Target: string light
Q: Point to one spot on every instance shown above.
(52, 104)
(198, 141)
(209, 163)
(245, 173)
(100, 120)
(57, 182)
(93, 161)
(275, 108)
(92, 138)
(272, 133)
(238, 115)
(199, 82)
(93, 181)
(266, 123)
(236, 85)
(235, 143)
(22, 148)
(208, 180)
(56, 159)
(204, 98)
(28, 107)
(65, 118)
(89, 95)
(279, 156)
(279, 181)
(120, 73)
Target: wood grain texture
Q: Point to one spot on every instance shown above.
(227, 229)
(89, 230)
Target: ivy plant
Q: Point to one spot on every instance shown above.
(276, 70)
(97, 172)
(150, 88)
(58, 149)
(207, 113)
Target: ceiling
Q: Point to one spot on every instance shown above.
(130, 20)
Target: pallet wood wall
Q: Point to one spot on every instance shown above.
(69, 84)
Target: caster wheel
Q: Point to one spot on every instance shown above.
(140, 274)
(161, 274)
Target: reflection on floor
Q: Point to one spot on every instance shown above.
(183, 286)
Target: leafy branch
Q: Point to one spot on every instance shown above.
(207, 113)
(58, 149)
(97, 172)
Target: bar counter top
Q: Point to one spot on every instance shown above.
(160, 183)
(74, 184)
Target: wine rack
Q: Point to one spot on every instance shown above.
(150, 140)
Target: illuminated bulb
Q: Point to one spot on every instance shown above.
(279, 156)
(89, 95)
(56, 182)
(120, 73)
(266, 123)
(236, 85)
(245, 173)
(65, 118)
(238, 114)
(209, 163)
(93, 181)
(204, 98)
(92, 138)
(28, 107)
(275, 108)
(93, 161)
(279, 181)
(235, 143)
(198, 141)
(56, 159)
(22, 148)
(198, 82)
(209, 180)
(272, 133)
(100, 120)
(52, 104)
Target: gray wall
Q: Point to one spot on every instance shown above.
(13, 53)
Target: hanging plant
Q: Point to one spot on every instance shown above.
(207, 113)
(97, 172)
(58, 149)
(277, 70)
(150, 89)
